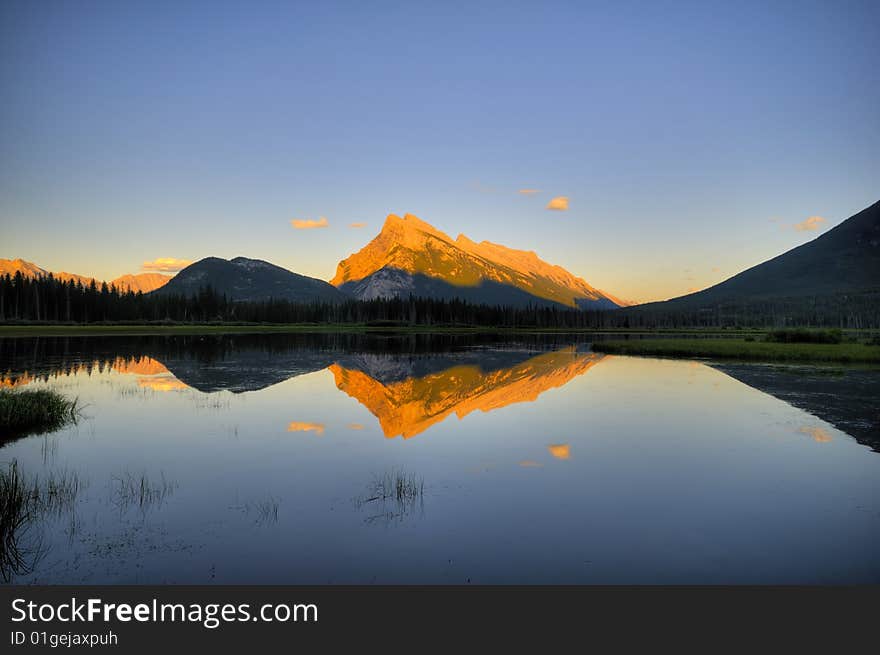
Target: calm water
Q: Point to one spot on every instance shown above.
(256, 460)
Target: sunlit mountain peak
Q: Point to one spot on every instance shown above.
(411, 257)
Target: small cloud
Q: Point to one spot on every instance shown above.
(559, 203)
(810, 225)
(357, 225)
(529, 463)
(299, 426)
(774, 219)
(694, 289)
(355, 426)
(529, 192)
(308, 223)
(560, 450)
(715, 269)
(166, 264)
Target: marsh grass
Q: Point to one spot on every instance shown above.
(265, 511)
(35, 411)
(745, 350)
(802, 335)
(397, 485)
(57, 493)
(50, 329)
(24, 502)
(211, 402)
(395, 493)
(138, 490)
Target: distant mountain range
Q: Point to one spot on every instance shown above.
(243, 279)
(144, 282)
(409, 256)
(843, 261)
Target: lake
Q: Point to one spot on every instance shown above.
(345, 458)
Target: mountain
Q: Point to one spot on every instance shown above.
(843, 262)
(409, 256)
(29, 269)
(243, 279)
(143, 282)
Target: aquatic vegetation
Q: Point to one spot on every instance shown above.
(138, 490)
(35, 411)
(266, 510)
(24, 503)
(16, 517)
(397, 485)
(802, 335)
(742, 349)
(395, 493)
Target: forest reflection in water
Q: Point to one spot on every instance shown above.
(495, 459)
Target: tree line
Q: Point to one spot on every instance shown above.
(47, 299)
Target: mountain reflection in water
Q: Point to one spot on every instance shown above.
(410, 406)
(577, 468)
(409, 383)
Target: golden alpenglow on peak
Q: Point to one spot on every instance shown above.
(31, 270)
(409, 407)
(27, 269)
(143, 282)
(412, 257)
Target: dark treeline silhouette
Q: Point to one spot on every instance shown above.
(26, 359)
(48, 299)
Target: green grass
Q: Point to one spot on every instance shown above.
(741, 349)
(34, 411)
(97, 329)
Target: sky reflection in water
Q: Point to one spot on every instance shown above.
(541, 462)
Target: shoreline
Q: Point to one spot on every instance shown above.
(741, 350)
(195, 328)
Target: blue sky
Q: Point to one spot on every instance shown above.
(689, 138)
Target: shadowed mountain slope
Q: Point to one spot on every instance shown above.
(243, 279)
(843, 261)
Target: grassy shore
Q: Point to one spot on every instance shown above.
(34, 411)
(98, 329)
(746, 350)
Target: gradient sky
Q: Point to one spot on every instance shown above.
(690, 138)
